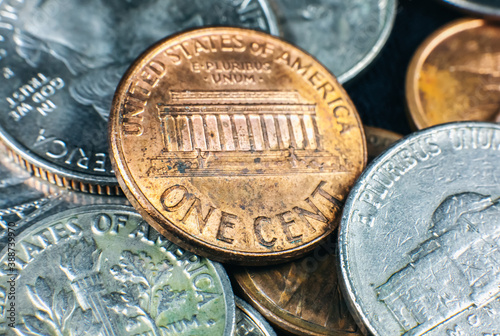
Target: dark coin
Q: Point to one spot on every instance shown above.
(60, 62)
(302, 297)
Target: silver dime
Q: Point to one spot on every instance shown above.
(249, 322)
(482, 7)
(60, 63)
(345, 36)
(420, 235)
(102, 270)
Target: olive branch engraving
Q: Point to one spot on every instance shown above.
(143, 295)
(57, 313)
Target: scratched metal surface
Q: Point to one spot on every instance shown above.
(430, 208)
(60, 63)
(357, 30)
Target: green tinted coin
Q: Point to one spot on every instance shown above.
(102, 270)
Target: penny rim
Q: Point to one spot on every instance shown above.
(416, 110)
(278, 316)
(133, 191)
(59, 81)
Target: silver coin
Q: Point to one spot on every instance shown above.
(22, 200)
(102, 270)
(481, 7)
(345, 36)
(25, 199)
(249, 322)
(420, 235)
(60, 63)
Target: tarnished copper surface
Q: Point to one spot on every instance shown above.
(303, 296)
(455, 75)
(235, 144)
(378, 140)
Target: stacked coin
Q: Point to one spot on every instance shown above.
(236, 146)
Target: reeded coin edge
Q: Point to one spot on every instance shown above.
(375, 50)
(52, 173)
(154, 217)
(88, 183)
(415, 111)
(359, 314)
(228, 293)
(281, 318)
(254, 315)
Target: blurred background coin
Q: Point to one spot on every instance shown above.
(249, 322)
(60, 63)
(378, 140)
(102, 270)
(345, 36)
(301, 297)
(235, 144)
(420, 235)
(488, 8)
(455, 75)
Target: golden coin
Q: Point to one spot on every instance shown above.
(301, 297)
(235, 144)
(455, 75)
(378, 140)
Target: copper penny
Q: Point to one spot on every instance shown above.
(378, 140)
(301, 297)
(455, 75)
(235, 144)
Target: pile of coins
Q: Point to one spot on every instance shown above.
(131, 183)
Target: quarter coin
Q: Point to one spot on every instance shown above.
(235, 144)
(26, 199)
(455, 75)
(346, 36)
(60, 63)
(301, 297)
(22, 198)
(420, 235)
(102, 270)
(249, 322)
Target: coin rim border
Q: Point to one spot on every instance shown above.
(359, 314)
(154, 217)
(415, 111)
(255, 316)
(87, 182)
(474, 8)
(264, 305)
(227, 290)
(367, 60)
